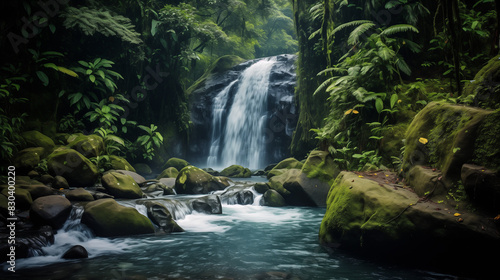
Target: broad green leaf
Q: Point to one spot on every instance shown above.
(43, 77)
(379, 105)
(394, 99)
(92, 78)
(51, 65)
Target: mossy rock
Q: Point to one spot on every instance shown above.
(36, 189)
(487, 142)
(79, 194)
(35, 138)
(192, 180)
(443, 135)
(28, 158)
(170, 172)
(320, 165)
(272, 198)
(177, 163)
(88, 145)
(120, 185)
(392, 143)
(486, 85)
(289, 163)
(236, 171)
(143, 169)
(105, 217)
(73, 166)
(119, 163)
(367, 217)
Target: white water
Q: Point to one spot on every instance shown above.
(218, 109)
(245, 242)
(243, 137)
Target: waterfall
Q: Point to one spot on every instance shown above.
(243, 138)
(218, 109)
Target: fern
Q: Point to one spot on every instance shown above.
(358, 32)
(349, 24)
(397, 29)
(90, 21)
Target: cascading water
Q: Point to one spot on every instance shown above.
(244, 134)
(218, 109)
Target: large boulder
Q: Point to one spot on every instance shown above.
(299, 190)
(88, 145)
(34, 138)
(73, 166)
(177, 163)
(445, 136)
(79, 194)
(36, 190)
(273, 199)
(320, 165)
(137, 178)
(50, 210)
(119, 163)
(170, 172)
(369, 217)
(482, 186)
(282, 166)
(28, 158)
(236, 171)
(105, 217)
(120, 185)
(143, 169)
(192, 180)
(485, 87)
(308, 186)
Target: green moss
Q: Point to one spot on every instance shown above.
(236, 171)
(485, 87)
(450, 131)
(360, 210)
(282, 166)
(487, 144)
(320, 165)
(107, 218)
(120, 163)
(177, 163)
(170, 172)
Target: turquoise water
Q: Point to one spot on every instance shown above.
(245, 242)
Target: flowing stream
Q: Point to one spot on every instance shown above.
(245, 242)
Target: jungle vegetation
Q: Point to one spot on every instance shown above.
(120, 68)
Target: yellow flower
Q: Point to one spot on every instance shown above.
(350, 111)
(423, 140)
(457, 214)
(360, 176)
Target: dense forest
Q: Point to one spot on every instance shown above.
(403, 91)
(121, 69)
